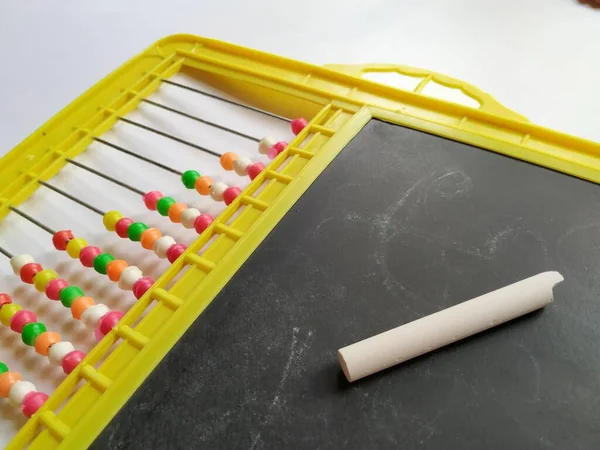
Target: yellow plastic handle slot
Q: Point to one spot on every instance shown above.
(486, 102)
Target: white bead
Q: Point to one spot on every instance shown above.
(188, 217)
(17, 262)
(241, 166)
(217, 190)
(265, 144)
(19, 391)
(129, 276)
(93, 314)
(162, 244)
(58, 351)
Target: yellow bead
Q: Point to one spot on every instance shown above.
(7, 311)
(110, 219)
(74, 247)
(41, 279)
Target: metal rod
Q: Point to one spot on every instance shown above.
(32, 220)
(72, 198)
(6, 253)
(106, 177)
(231, 102)
(170, 136)
(140, 157)
(198, 119)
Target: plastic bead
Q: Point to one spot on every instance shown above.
(5, 300)
(217, 190)
(75, 246)
(280, 146)
(255, 169)
(202, 222)
(298, 125)
(44, 341)
(28, 271)
(32, 403)
(58, 351)
(7, 312)
(149, 236)
(19, 391)
(72, 360)
(61, 239)
(20, 319)
(227, 160)
(241, 166)
(135, 230)
(231, 194)
(175, 211)
(101, 261)
(265, 144)
(42, 278)
(189, 177)
(88, 255)
(79, 306)
(3, 368)
(7, 380)
(109, 321)
(31, 331)
(122, 226)
(69, 294)
(272, 154)
(17, 263)
(128, 277)
(54, 287)
(114, 268)
(203, 185)
(93, 314)
(188, 217)
(141, 286)
(162, 245)
(175, 252)
(164, 204)
(151, 199)
(110, 219)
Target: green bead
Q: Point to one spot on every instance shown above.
(31, 331)
(69, 294)
(163, 205)
(3, 368)
(189, 178)
(101, 261)
(135, 231)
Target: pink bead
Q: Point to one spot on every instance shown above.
(71, 360)
(175, 252)
(88, 254)
(141, 286)
(20, 319)
(280, 146)
(202, 222)
(54, 287)
(32, 402)
(231, 194)
(298, 125)
(272, 153)
(108, 321)
(255, 169)
(122, 226)
(151, 199)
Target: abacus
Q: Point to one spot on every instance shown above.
(235, 137)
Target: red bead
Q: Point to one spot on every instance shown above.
(202, 222)
(109, 321)
(71, 360)
(231, 194)
(54, 287)
(151, 199)
(20, 319)
(32, 403)
(61, 239)
(298, 125)
(122, 226)
(175, 251)
(255, 169)
(141, 286)
(28, 271)
(5, 300)
(280, 146)
(88, 254)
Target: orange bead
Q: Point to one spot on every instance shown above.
(80, 305)
(114, 269)
(7, 379)
(227, 160)
(44, 341)
(149, 236)
(175, 211)
(203, 185)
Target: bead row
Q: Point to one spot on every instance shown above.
(96, 317)
(191, 218)
(20, 393)
(34, 334)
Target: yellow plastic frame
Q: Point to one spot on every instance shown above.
(340, 103)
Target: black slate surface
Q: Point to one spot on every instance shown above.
(401, 224)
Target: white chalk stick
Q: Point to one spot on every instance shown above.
(449, 325)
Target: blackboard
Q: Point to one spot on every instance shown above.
(400, 225)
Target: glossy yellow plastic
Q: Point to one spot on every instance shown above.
(339, 103)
